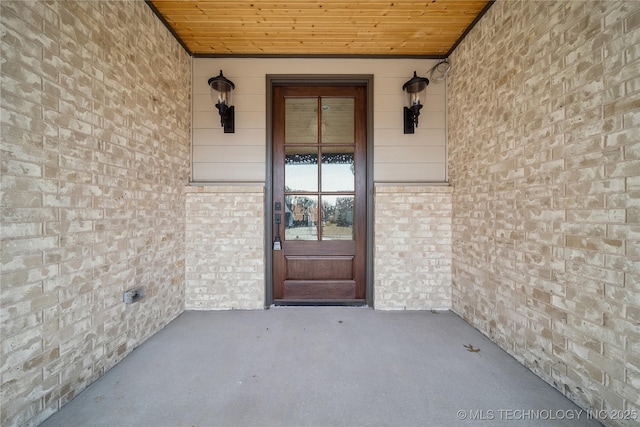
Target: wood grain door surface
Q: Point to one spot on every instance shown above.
(319, 193)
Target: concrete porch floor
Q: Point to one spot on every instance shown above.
(318, 366)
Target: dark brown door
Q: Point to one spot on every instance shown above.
(319, 191)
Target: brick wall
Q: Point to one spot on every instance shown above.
(95, 158)
(225, 247)
(412, 267)
(544, 156)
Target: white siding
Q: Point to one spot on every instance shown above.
(241, 156)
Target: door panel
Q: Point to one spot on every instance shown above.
(311, 290)
(319, 193)
(309, 268)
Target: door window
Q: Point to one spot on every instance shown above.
(319, 196)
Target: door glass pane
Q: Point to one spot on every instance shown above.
(301, 169)
(301, 218)
(337, 217)
(338, 169)
(301, 121)
(338, 120)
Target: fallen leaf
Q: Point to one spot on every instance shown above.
(470, 348)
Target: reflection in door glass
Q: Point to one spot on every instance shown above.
(337, 169)
(337, 217)
(301, 169)
(301, 123)
(338, 120)
(301, 218)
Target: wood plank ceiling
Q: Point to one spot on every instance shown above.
(396, 28)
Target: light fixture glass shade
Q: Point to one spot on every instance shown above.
(221, 88)
(415, 89)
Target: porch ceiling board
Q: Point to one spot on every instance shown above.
(398, 28)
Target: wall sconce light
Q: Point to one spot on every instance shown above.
(415, 89)
(221, 88)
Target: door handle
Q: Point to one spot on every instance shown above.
(277, 245)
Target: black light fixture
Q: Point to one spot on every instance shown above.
(415, 89)
(221, 88)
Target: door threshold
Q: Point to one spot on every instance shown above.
(332, 302)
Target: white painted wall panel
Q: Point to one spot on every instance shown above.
(217, 156)
(402, 172)
(409, 155)
(233, 153)
(229, 171)
(389, 137)
(209, 136)
(435, 102)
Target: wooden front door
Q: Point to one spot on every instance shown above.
(319, 194)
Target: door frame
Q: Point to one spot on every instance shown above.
(329, 80)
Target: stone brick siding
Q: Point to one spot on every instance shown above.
(225, 248)
(544, 159)
(95, 158)
(412, 267)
